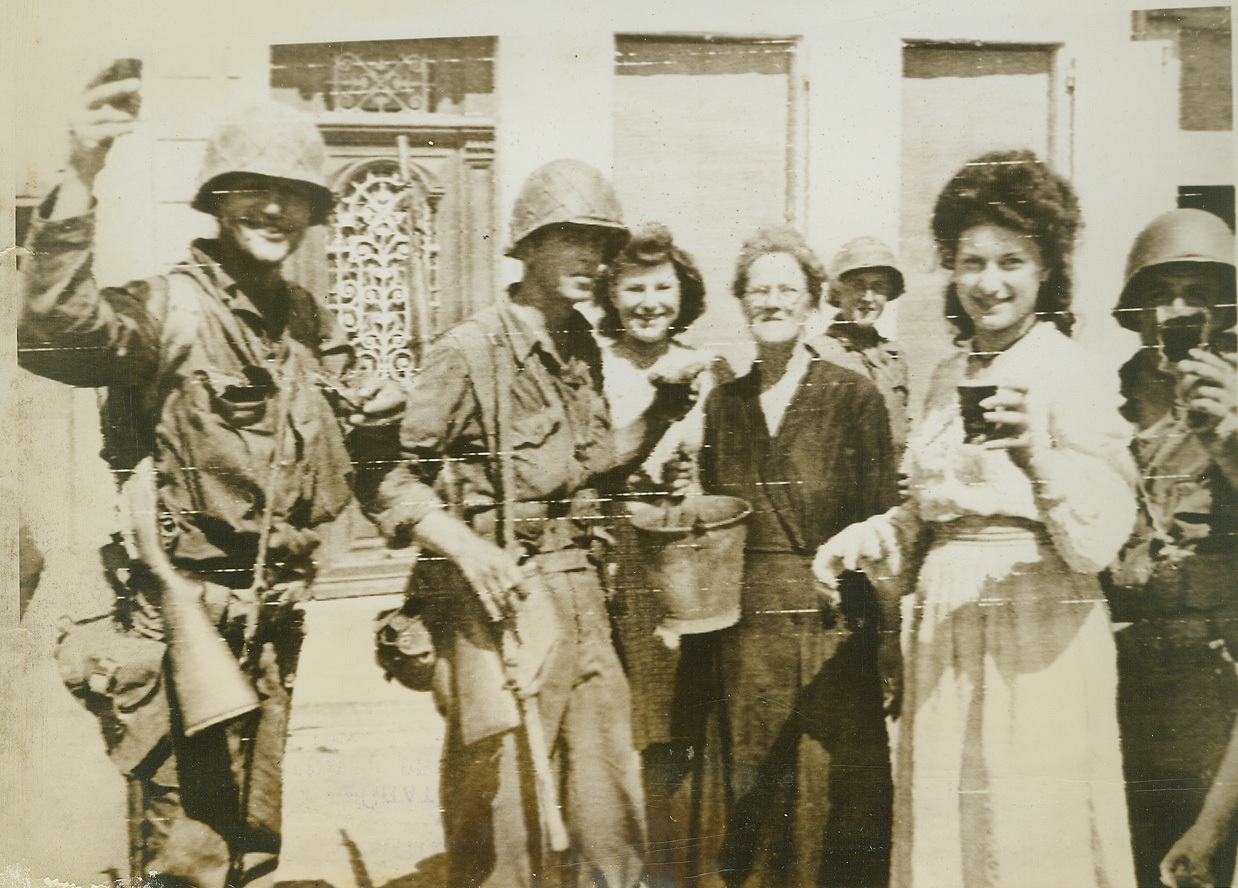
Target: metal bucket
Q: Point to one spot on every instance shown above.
(694, 559)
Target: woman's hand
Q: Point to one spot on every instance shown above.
(1187, 865)
(866, 544)
(1207, 386)
(678, 473)
(680, 367)
(1024, 433)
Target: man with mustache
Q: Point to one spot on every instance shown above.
(223, 381)
(506, 441)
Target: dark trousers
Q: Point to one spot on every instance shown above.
(1177, 698)
(187, 799)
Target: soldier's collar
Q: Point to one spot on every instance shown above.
(202, 252)
(527, 331)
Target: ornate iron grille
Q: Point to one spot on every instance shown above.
(383, 256)
(401, 84)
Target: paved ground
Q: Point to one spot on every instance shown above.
(361, 794)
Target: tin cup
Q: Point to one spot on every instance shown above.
(976, 429)
(1178, 335)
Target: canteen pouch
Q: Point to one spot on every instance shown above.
(403, 647)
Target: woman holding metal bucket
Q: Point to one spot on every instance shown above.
(803, 761)
(1022, 489)
(650, 293)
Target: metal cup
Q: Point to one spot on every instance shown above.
(1178, 335)
(976, 429)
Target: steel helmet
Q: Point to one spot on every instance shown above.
(272, 140)
(867, 252)
(567, 192)
(1177, 236)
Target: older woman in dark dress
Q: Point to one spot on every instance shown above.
(804, 751)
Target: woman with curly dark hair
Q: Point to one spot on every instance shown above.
(1009, 769)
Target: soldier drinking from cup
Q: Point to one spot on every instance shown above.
(1174, 581)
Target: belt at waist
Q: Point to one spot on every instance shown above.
(540, 527)
(560, 561)
(986, 528)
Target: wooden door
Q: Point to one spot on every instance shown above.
(407, 254)
(704, 142)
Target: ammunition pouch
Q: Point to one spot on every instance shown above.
(117, 675)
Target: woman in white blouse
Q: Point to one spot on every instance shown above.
(651, 292)
(1008, 768)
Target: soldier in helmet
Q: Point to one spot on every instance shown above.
(864, 278)
(1174, 581)
(507, 440)
(223, 379)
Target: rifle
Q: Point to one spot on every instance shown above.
(209, 683)
(521, 664)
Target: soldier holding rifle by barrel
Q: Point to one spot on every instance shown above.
(505, 439)
(223, 387)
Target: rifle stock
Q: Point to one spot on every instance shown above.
(209, 684)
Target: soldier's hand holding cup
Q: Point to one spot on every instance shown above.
(1207, 386)
(109, 109)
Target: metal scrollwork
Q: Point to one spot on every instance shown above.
(383, 256)
(380, 85)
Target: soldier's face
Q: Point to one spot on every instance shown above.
(263, 219)
(861, 295)
(564, 261)
(1178, 289)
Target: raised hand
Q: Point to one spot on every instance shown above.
(1208, 387)
(108, 109)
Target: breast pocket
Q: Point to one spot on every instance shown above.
(541, 452)
(533, 431)
(240, 401)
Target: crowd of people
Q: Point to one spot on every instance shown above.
(984, 642)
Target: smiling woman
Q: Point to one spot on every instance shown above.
(1010, 664)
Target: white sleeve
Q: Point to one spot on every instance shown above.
(1085, 476)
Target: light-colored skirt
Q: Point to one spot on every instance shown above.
(1009, 769)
